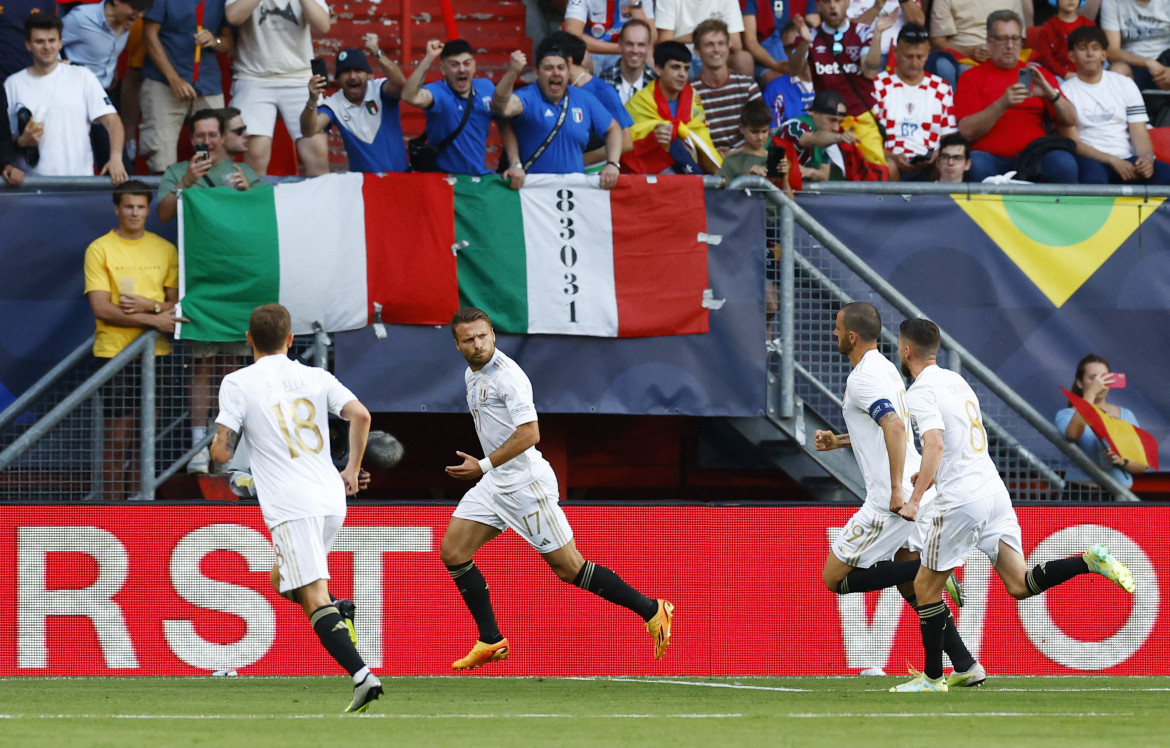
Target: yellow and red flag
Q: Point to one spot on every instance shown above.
(690, 138)
(1123, 437)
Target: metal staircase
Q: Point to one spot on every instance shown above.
(813, 274)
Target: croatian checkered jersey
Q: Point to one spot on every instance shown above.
(914, 117)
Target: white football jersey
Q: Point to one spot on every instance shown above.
(941, 399)
(499, 397)
(872, 380)
(283, 408)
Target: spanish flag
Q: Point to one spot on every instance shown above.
(1123, 437)
(690, 138)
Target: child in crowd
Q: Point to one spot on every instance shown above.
(1051, 50)
(755, 125)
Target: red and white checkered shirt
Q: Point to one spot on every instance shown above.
(914, 117)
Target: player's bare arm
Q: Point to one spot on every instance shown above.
(826, 441)
(526, 435)
(223, 445)
(894, 431)
(932, 452)
(359, 419)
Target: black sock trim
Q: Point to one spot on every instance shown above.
(585, 575)
(460, 569)
(321, 612)
(1047, 575)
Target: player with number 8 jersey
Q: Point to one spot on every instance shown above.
(972, 510)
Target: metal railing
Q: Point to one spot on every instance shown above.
(816, 274)
(121, 430)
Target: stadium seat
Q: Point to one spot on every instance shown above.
(1161, 138)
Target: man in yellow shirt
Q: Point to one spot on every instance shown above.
(132, 283)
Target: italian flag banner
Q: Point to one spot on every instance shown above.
(326, 248)
(560, 256)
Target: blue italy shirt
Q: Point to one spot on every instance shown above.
(370, 130)
(609, 98)
(565, 154)
(468, 151)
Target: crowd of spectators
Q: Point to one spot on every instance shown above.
(1058, 102)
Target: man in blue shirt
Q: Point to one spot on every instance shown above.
(445, 102)
(96, 34)
(14, 56)
(171, 89)
(365, 110)
(535, 110)
(605, 94)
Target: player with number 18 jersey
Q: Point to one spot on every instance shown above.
(285, 406)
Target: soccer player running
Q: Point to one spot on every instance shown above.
(284, 407)
(516, 488)
(973, 509)
(876, 549)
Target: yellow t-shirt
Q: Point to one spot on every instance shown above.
(143, 266)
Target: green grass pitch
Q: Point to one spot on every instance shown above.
(515, 712)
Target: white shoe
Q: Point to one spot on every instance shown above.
(973, 677)
(200, 463)
(364, 693)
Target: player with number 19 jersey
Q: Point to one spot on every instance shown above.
(941, 399)
(282, 408)
(873, 381)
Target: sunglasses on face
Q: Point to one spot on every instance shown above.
(239, 130)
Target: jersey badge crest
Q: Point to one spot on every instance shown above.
(372, 106)
(578, 115)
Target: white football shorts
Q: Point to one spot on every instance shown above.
(302, 549)
(533, 511)
(873, 535)
(957, 530)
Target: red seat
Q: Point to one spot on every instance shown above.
(1032, 37)
(1161, 138)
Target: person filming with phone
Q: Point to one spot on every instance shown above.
(209, 167)
(1094, 380)
(1004, 105)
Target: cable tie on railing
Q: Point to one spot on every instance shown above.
(379, 326)
(458, 246)
(651, 179)
(713, 240)
(710, 302)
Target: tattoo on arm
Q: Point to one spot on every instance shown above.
(233, 438)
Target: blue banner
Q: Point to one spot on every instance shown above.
(1030, 284)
